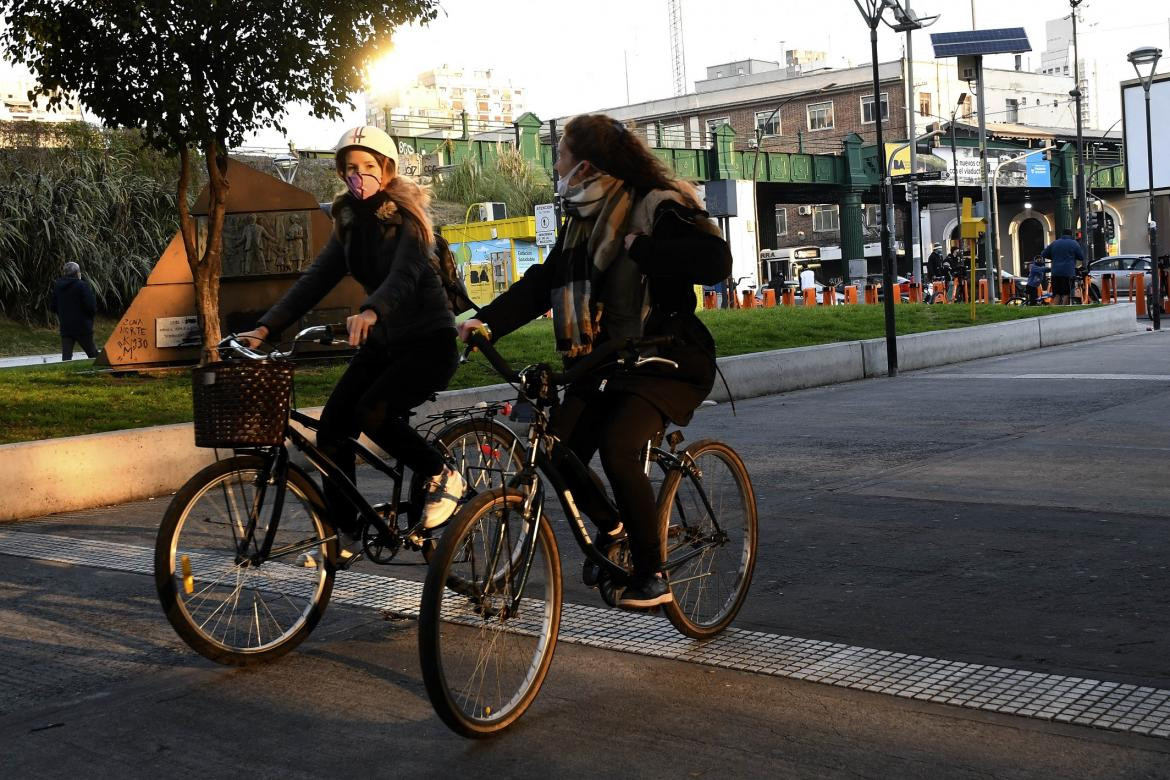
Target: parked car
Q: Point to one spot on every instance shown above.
(1121, 266)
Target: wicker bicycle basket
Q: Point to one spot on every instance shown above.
(241, 404)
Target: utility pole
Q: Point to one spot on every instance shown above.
(1082, 214)
(911, 132)
(987, 243)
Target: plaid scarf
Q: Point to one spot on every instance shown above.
(594, 237)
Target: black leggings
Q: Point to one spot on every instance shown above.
(375, 396)
(617, 426)
(84, 339)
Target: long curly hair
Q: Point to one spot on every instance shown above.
(609, 145)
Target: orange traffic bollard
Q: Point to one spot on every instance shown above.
(871, 293)
(810, 296)
(982, 291)
(788, 297)
(769, 298)
(828, 295)
(1085, 285)
(710, 300)
(1109, 288)
(851, 293)
(1138, 285)
(1133, 285)
(940, 292)
(749, 299)
(1009, 290)
(915, 292)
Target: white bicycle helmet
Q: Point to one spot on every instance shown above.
(369, 138)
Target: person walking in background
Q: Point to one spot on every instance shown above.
(1064, 253)
(1036, 273)
(934, 264)
(73, 302)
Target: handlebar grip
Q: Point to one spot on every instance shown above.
(479, 341)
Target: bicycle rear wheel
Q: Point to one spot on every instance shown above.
(226, 602)
(486, 452)
(483, 659)
(710, 519)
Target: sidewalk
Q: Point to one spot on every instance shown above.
(32, 360)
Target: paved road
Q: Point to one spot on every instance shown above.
(1002, 517)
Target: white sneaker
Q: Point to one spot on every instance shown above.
(443, 493)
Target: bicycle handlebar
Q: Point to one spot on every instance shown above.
(587, 365)
(322, 334)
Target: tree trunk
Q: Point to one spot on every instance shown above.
(205, 268)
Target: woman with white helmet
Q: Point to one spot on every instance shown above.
(382, 236)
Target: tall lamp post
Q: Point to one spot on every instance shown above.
(1075, 94)
(1145, 62)
(955, 172)
(871, 11)
(756, 168)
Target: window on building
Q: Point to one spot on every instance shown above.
(871, 215)
(867, 108)
(781, 221)
(715, 124)
(826, 218)
(674, 136)
(651, 135)
(1012, 114)
(924, 107)
(767, 123)
(820, 116)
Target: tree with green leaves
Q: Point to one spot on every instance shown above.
(199, 75)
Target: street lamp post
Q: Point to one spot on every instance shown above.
(1139, 58)
(1082, 214)
(871, 11)
(955, 170)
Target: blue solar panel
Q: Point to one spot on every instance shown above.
(1005, 40)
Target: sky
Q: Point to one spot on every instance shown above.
(579, 57)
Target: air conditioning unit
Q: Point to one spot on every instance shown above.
(967, 67)
(488, 212)
(804, 211)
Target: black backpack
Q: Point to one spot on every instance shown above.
(444, 262)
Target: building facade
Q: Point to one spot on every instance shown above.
(441, 97)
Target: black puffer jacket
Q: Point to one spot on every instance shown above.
(73, 302)
(675, 257)
(379, 245)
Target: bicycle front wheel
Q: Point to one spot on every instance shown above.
(228, 599)
(710, 517)
(489, 617)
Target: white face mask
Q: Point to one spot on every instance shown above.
(564, 189)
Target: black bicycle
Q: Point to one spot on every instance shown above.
(491, 603)
(246, 554)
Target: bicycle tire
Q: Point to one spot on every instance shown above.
(466, 638)
(710, 588)
(202, 583)
(488, 453)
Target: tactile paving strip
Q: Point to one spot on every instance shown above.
(1108, 705)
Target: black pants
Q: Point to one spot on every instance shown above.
(617, 426)
(84, 339)
(375, 396)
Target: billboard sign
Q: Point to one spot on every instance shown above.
(1031, 171)
(1133, 122)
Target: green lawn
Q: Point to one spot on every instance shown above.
(17, 338)
(42, 402)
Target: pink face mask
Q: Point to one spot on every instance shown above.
(362, 185)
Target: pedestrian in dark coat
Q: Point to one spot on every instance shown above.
(625, 265)
(1065, 253)
(73, 302)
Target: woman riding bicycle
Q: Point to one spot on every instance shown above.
(405, 327)
(624, 265)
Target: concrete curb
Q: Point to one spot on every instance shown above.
(80, 472)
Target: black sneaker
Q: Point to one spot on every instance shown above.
(646, 592)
